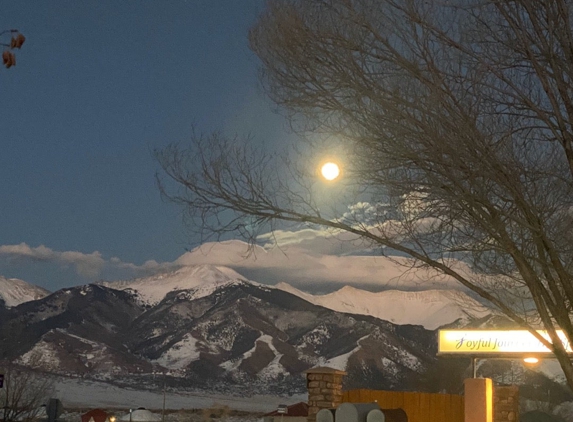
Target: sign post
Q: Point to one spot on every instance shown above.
(494, 344)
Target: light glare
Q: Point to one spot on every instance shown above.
(330, 171)
(531, 360)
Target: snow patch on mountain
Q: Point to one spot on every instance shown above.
(430, 308)
(341, 362)
(270, 371)
(14, 291)
(407, 359)
(42, 354)
(315, 337)
(180, 354)
(199, 280)
(390, 366)
(274, 368)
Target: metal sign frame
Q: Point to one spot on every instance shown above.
(495, 343)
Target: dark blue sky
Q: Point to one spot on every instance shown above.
(96, 87)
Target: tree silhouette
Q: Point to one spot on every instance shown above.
(454, 124)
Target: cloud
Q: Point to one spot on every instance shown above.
(297, 263)
(87, 265)
(310, 258)
(315, 241)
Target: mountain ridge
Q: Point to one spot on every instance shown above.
(202, 279)
(241, 334)
(430, 308)
(208, 328)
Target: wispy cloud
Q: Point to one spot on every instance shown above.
(314, 241)
(307, 261)
(87, 265)
(311, 259)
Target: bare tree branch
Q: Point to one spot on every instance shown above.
(455, 120)
(24, 392)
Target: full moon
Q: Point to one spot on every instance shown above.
(330, 171)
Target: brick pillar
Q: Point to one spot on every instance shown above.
(324, 389)
(506, 403)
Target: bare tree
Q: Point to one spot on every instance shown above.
(24, 393)
(455, 121)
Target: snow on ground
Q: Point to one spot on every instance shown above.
(91, 394)
(429, 308)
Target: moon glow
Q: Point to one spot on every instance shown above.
(330, 171)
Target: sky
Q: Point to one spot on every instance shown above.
(96, 88)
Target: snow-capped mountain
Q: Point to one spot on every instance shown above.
(429, 308)
(208, 328)
(196, 280)
(14, 291)
(238, 334)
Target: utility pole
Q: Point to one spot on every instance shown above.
(7, 382)
(163, 411)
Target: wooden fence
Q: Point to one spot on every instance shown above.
(420, 407)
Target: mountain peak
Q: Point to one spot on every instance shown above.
(14, 291)
(202, 280)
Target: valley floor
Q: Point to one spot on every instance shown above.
(216, 414)
(83, 394)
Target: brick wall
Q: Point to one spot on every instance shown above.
(506, 404)
(324, 389)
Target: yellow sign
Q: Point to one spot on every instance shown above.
(494, 342)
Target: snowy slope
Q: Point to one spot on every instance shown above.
(14, 291)
(201, 280)
(429, 308)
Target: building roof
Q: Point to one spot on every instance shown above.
(98, 415)
(298, 409)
